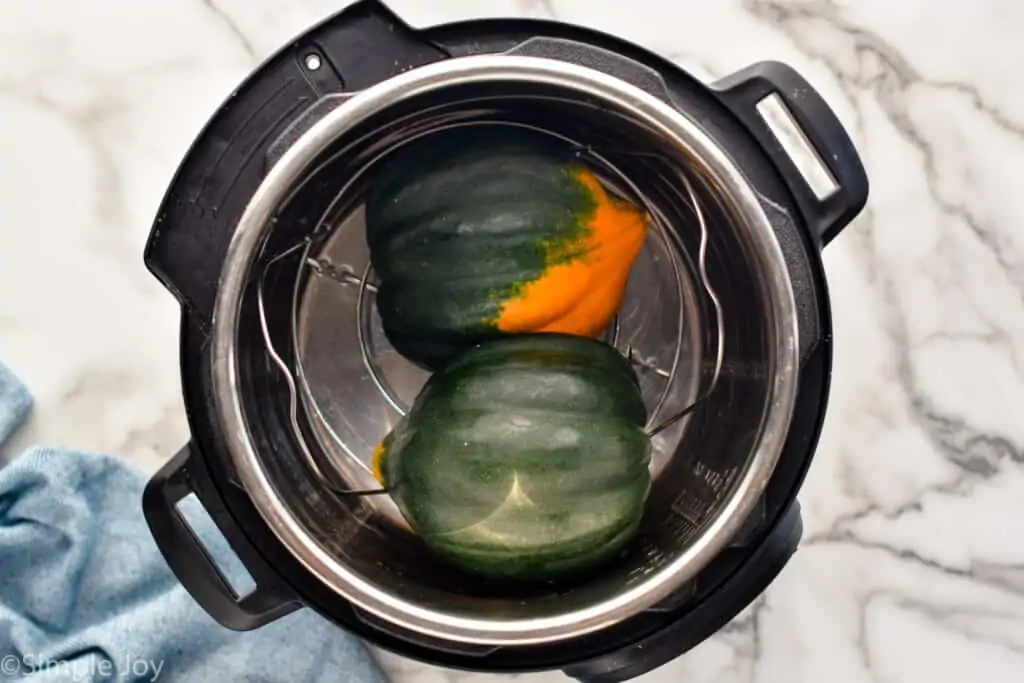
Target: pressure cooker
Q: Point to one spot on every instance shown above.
(288, 380)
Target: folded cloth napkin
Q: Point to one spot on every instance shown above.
(85, 596)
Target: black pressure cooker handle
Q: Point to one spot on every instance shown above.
(826, 216)
(188, 558)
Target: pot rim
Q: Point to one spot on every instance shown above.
(254, 226)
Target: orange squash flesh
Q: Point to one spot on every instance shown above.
(377, 462)
(581, 295)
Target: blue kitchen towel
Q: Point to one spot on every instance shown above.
(15, 403)
(85, 596)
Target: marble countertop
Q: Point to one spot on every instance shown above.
(912, 565)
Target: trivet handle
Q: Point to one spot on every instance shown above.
(745, 89)
(189, 559)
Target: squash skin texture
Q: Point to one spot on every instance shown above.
(525, 459)
(480, 232)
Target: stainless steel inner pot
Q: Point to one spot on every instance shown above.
(346, 387)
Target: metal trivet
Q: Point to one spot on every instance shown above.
(346, 276)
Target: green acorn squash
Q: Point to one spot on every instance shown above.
(525, 459)
(478, 232)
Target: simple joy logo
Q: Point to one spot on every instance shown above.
(84, 669)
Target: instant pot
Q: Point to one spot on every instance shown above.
(289, 381)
